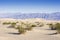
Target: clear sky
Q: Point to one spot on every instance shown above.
(29, 6)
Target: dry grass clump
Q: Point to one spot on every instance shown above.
(57, 25)
(21, 30)
(27, 26)
(52, 26)
(6, 23)
(39, 24)
(13, 25)
(33, 24)
(21, 27)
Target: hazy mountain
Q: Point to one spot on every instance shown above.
(51, 16)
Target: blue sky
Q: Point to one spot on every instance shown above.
(29, 6)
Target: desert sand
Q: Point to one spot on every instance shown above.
(38, 33)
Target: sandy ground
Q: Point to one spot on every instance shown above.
(38, 33)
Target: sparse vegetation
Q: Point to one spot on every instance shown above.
(13, 25)
(41, 25)
(28, 28)
(33, 25)
(52, 26)
(21, 30)
(57, 25)
(22, 27)
(6, 23)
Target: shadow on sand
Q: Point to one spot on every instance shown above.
(52, 34)
(10, 27)
(14, 33)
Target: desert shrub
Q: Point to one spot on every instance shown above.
(13, 25)
(52, 27)
(37, 23)
(57, 25)
(33, 25)
(28, 28)
(21, 30)
(6, 23)
(17, 22)
(41, 25)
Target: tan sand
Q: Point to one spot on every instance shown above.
(38, 33)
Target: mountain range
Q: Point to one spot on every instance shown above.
(49, 16)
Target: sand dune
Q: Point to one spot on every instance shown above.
(38, 33)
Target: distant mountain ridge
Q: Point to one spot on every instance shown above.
(52, 16)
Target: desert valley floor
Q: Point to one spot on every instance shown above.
(38, 33)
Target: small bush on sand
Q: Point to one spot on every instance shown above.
(57, 25)
(6, 23)
(28, 28)
(13, 25)
(52, 26)
(41, 25)
(33, 25)
(21, 30)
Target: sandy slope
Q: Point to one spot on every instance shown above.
(38, 33)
